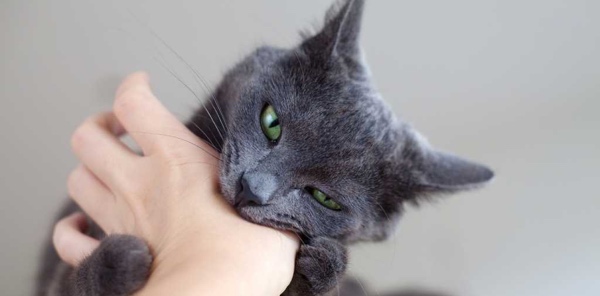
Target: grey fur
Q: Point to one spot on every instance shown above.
(337, 135)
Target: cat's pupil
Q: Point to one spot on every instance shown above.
(269, 122)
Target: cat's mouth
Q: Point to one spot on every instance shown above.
(253, 208)
(262, 215)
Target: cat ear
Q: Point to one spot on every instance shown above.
(340, 34)
(420, 172)
(443, 172)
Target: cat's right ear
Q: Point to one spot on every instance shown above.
(341, 32)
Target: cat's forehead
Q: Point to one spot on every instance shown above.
(324, 97)
(323, 109)
(329, 118)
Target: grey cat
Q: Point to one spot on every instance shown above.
(306, 145)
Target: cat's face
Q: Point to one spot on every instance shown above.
(306, 147)
(311, 148)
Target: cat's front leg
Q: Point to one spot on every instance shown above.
(320, 266)
(118, 267)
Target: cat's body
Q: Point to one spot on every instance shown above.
(344, 164)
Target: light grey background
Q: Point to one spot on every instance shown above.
(514, 84)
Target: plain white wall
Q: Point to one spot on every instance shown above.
(514, 84)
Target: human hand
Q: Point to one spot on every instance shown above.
(169, 197)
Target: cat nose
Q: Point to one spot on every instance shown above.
(257, 189)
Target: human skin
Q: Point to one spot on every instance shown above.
(169, 196)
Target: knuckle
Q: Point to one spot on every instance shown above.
(78, 137)
(58, 238)
(128, 100)
(133, 191)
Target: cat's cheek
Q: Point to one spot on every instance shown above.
(228, 191)
(228, 185)
(228, 181)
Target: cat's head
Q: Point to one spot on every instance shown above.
(312, 148)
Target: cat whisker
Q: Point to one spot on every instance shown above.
(178, 138)
(300, 238)
(210, 141)
(199, 115)
(207, 137)
(195, 95)
(394, 236)
(164, 65)
(166, 45)
(387, 217)
(197, 162)
(209, 92)
(193, 70)
(362, 287)
(214, 123)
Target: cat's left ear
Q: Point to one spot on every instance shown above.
(341, 32)
(443, 172)
(419, 168)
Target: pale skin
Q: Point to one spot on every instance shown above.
(168, 196)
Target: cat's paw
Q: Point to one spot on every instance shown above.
(122, 265)
(319, 267)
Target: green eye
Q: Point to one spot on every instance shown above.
(324, 199)
(269, 122)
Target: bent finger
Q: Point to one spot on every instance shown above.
(145, 118)
(96, 144)
(71, 244)
(92, 196)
